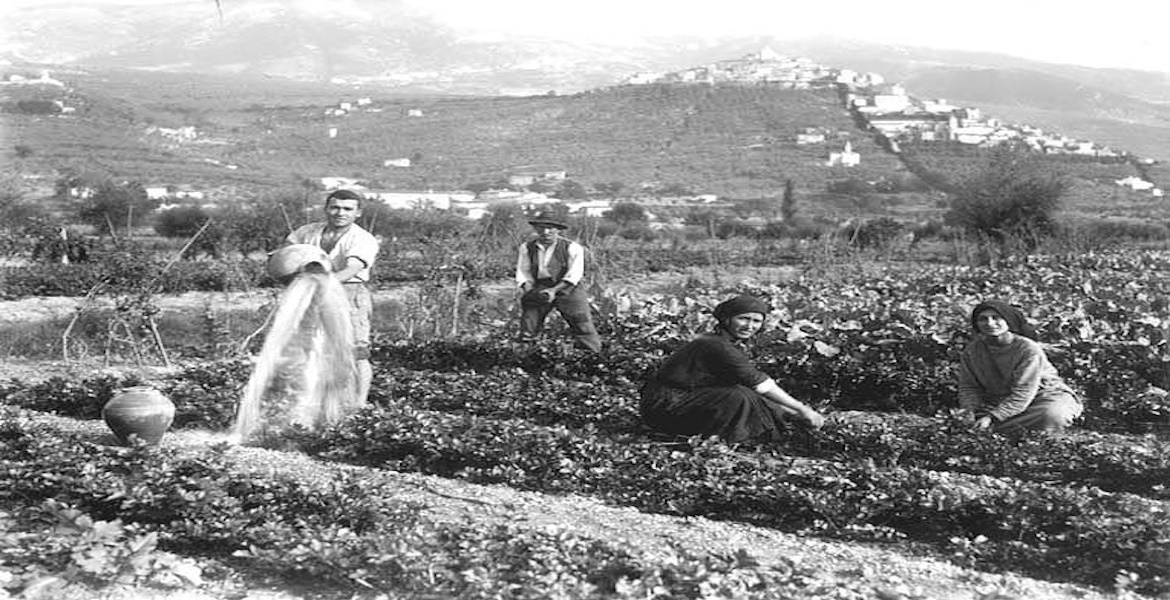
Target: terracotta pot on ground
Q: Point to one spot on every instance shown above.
(139, 412)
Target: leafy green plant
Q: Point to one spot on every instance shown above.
(80, 549)
(176, 514)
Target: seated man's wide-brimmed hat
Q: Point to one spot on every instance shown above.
(547, 220)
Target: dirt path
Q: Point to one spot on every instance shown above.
(47, 308)
(840, 570)
(44, 308)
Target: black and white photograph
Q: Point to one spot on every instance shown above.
(609, 300)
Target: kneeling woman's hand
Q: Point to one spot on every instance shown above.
(815, 419)
(983, 422)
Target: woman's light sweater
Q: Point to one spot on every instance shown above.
(1002, 380)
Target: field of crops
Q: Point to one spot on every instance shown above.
(870, 345)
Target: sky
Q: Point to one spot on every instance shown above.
(1115, 33)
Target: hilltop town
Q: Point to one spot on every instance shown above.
(886, 107)
(885, 111)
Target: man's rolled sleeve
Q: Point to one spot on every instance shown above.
(523, 268)
(365, 249)
(576, 271)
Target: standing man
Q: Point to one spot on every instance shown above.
(549, 272)
(352, 251)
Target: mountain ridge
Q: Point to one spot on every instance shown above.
(396, 48)
(391, 42)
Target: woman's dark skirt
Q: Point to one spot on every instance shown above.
(736, 413)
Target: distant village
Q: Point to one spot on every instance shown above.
(887, 108)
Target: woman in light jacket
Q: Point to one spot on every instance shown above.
(1005, 377)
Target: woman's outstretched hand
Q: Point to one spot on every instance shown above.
(815, 419)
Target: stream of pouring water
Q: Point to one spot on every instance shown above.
(305, 374)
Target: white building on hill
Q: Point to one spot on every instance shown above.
(416, 200)
(336, 183)
(590, 208)
(845, 158)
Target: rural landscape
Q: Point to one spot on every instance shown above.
(138, 207)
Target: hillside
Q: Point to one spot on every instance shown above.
(234, 137)
(736, 141)
(733, 141)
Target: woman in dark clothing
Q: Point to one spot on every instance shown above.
(710, 387)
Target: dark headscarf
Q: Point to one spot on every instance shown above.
(739, 305)
(1016, 321)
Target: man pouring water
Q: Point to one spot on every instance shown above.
(351, 250)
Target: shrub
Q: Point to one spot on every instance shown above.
(1102, 232)
(1012, 197)
(37, 107)
(180, 221)
(731, 228)
(627, 214)
(877, 233)
(115, 205)
(803, 229)
(930, 229)
(640, 233)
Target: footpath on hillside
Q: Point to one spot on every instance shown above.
(839, 570)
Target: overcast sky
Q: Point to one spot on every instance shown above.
(1112, 33)
(1115, 33)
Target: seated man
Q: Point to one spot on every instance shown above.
(549, 270)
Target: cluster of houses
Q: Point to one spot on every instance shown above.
(188, 134)
(345, 107)
(55, 106)
(475, 205)
(763, 67)
(43, 79)
(175, 134)
(901, 117)
(366, 104)
(887, 108)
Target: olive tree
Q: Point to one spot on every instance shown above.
(627, 213)
(115, 204)
(1012, 197)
